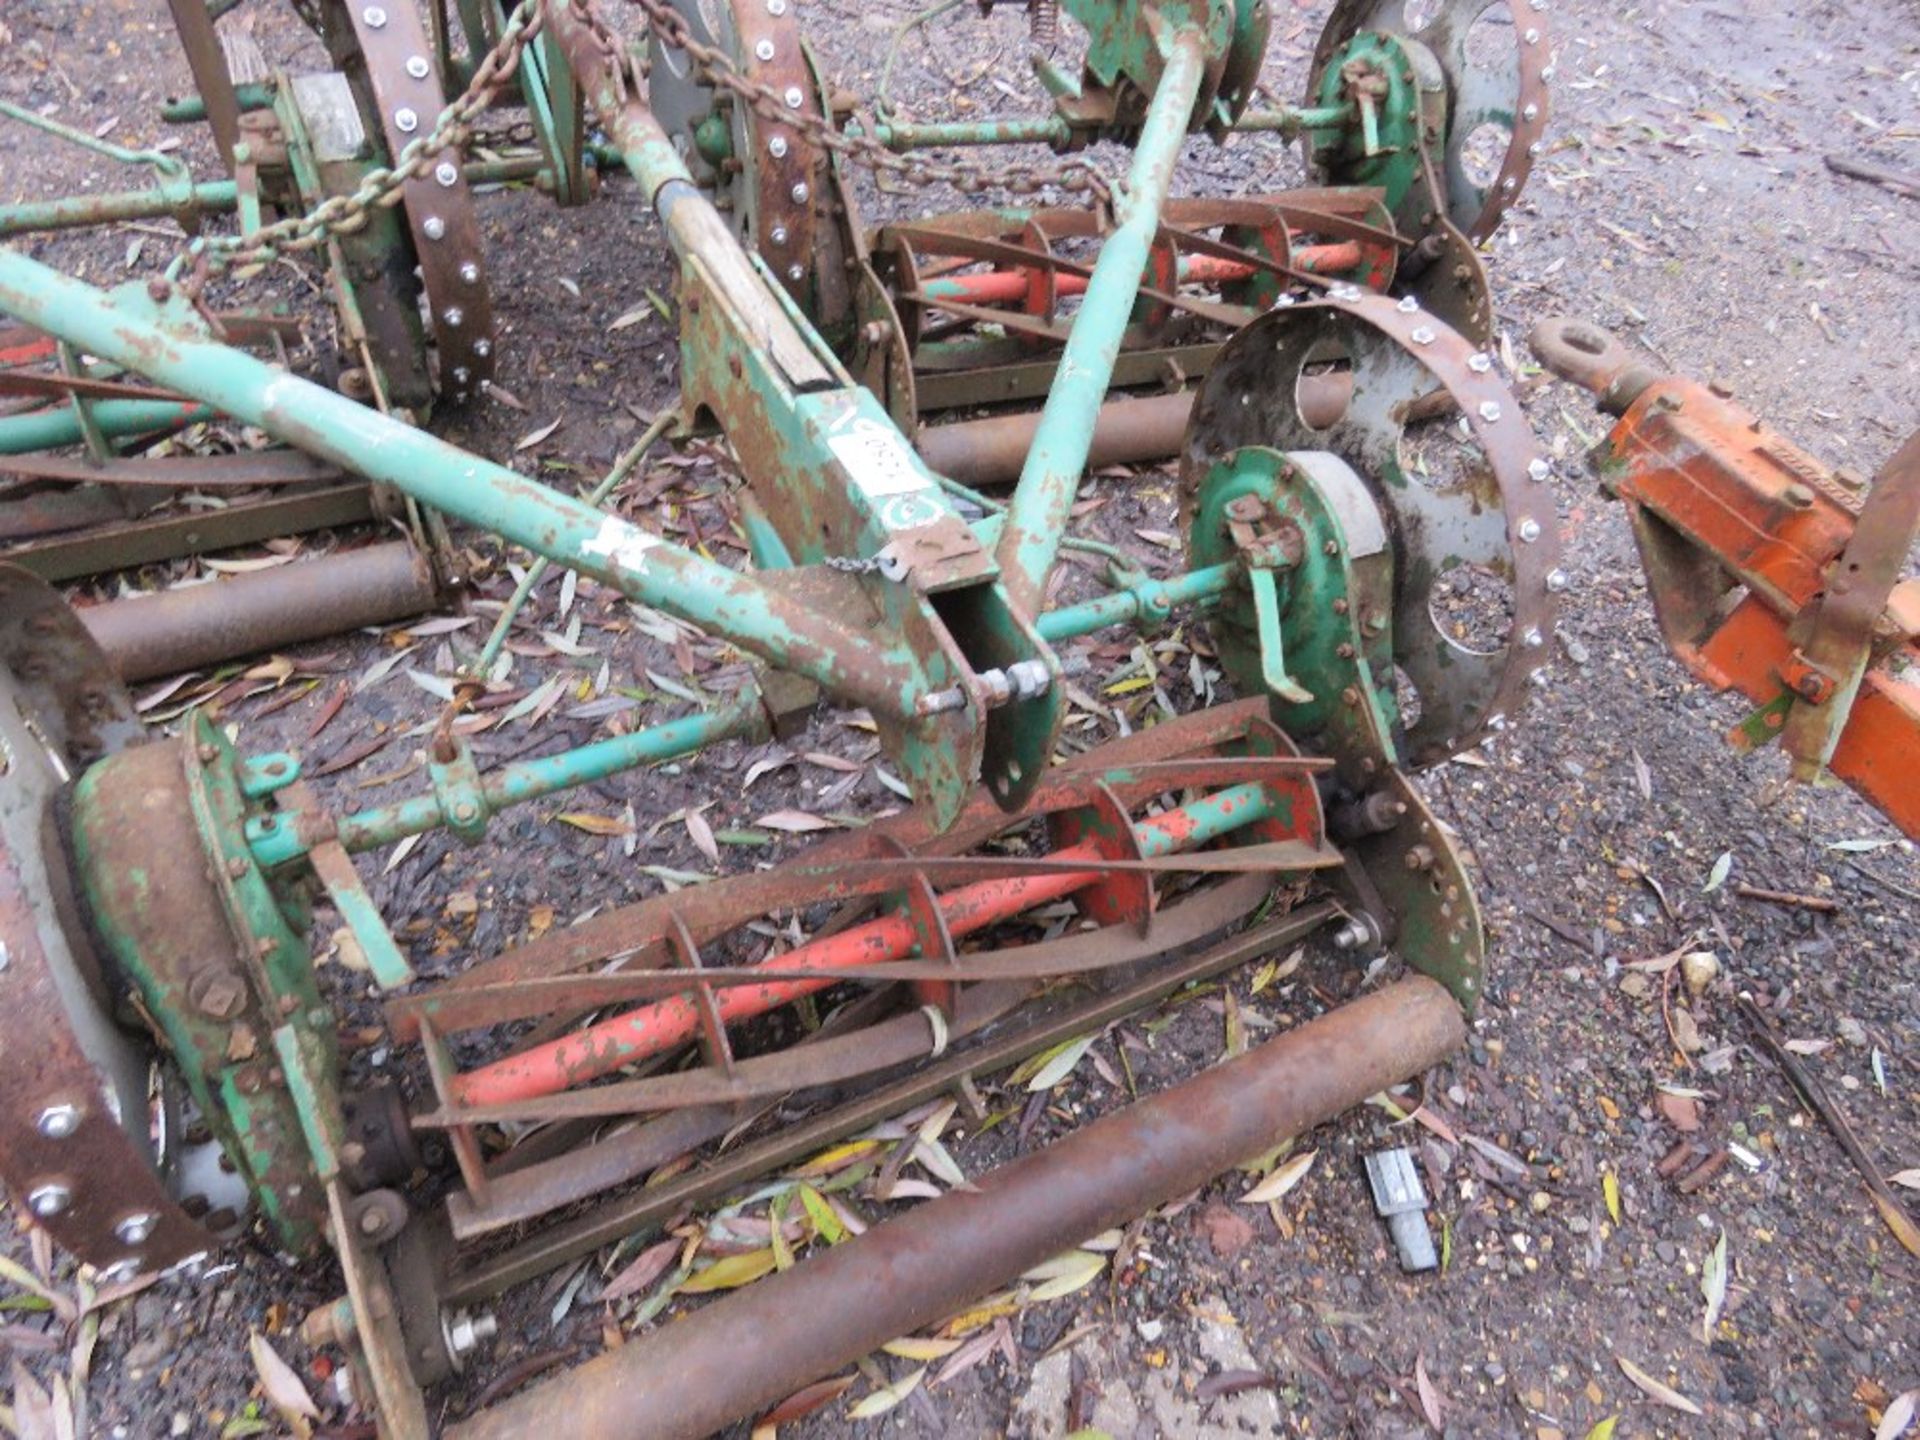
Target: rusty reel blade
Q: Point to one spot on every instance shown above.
(1465, 500)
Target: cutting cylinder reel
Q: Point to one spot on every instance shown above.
(1356, 483)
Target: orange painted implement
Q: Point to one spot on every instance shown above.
(1771, 574)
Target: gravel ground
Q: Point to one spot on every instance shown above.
(1683, 201)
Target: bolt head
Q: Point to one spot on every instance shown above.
(764, 50)
(777, 147)
(800, 192)
(135, 1228)
(49, 1199)
(446, 173)
(58, 1121)
(794, 98)
(433, 227)
(1529, 530)
(375, 17)
(453, 315)
(417, 67)
(406, 120)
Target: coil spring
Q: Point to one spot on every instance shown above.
(1043, 23)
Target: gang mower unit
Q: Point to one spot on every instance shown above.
(1349, 456)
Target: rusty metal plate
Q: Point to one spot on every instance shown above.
(1496, 518)
(438, 205)
(77, 1145)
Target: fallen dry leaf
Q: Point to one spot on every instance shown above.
(1665, 1394)
(1430, 1400)
(282, 1386)
(1285, 1176)
(534, 437)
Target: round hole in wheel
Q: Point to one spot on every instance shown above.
(1407, 696)
(1484, 151)
(1324, 387)
(1420, 14)
(1439, 456)
(1472, 606)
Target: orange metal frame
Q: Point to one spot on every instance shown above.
(1743, 536)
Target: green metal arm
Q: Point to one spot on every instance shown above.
(1037, 515)
(167, 342)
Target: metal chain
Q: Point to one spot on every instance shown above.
(343, 214)
(718, 69)
(455, 129)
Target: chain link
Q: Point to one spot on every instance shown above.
(343, 214)
(718, 68)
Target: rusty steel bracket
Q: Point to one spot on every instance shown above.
(1769, 573)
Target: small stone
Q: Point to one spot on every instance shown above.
(1852, 1031)
(1579, 1224)
(1699, 968)
(1540, 1200)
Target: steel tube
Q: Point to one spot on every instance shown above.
(1037, 514)
(175, 630)
(1146, 602)
(992, 451)
(163, 344)
(1054, 130)
(58, 425)
(72, 212)
(527, 780)
(687, 1379)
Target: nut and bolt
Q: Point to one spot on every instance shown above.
(58, 1121)
(49, 1199)
(467, 1330)
(1358, 933)
(219, 994)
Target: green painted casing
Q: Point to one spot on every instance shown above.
(1328, 599)
(1381, 145)
(215, 953)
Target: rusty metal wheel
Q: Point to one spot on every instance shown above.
(1470, 520)
(406, 96)
(773, 183)
(92, 1145)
